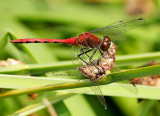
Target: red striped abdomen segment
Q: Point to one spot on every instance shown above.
(71, 41)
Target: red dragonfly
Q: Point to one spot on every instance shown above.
(94, 41)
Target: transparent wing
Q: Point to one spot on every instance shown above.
(119, 27)
(75, 51)
(90, 73)
(96, 89)
(108, 63)
(130, 86)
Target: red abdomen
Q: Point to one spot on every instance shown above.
(71, 41)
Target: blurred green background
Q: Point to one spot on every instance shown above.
(60, 19)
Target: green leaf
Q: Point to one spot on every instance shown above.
(3, 39)
(8, 35)
(146, 107)
(65, 65)
(34, 84)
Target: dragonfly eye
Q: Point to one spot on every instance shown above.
(106, 43)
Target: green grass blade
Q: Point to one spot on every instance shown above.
(43, 68)
(8, 35)
(147, 107)
(48, 84)
(138, 59)
(3, 39)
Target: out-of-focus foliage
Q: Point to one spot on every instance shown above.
(60, 19)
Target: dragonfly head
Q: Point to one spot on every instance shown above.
(106, 43)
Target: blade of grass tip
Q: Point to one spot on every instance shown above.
(4, 39)
(21, 47)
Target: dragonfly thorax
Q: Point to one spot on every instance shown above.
(89, 40)
(105, 43)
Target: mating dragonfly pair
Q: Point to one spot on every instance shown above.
(96, 51)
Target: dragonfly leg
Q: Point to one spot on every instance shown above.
(90, 59)
(100, 52)
(79, 56)
(82, 50)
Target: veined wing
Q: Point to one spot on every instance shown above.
(96, 89)
(108, 64)
(119, 27)
(91, 72)
(74, 54)
(130, 86)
